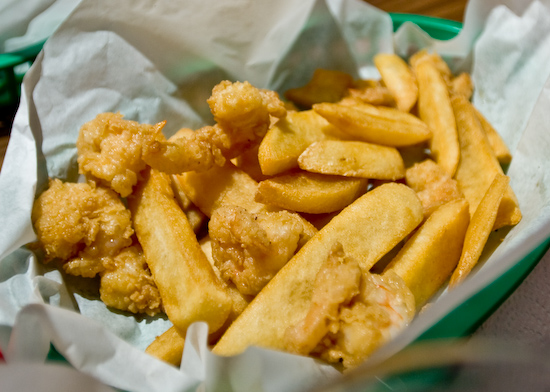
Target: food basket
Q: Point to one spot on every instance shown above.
(57, 99)
(468, 316)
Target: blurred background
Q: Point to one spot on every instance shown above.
(448, 9)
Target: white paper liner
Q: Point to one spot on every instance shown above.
(159, 60)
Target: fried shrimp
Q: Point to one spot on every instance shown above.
(352, 312)
(79, 224)
(127, 284)
(243, 114)
(89, 229)
(110, 150)
(249, 248)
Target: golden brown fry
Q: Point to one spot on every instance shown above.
(284, 142)
(310, 192)
(379, 125)
(325, 86)
(225, 185)
(286, 299)
(440, 64)
(480, 227)
(429, 257)
(371, 92)
(353, 159)
(168, 346)
(462, 85)
(434, 107)
(399, 79)
(497, 144)
(249, 162)
(194, 215)
(478, 165)
(188, 286)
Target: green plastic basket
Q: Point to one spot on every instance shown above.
(13, 66)
(463, 320)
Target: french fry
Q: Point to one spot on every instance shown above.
(310, 192)
(434, 107)
(325, 86)
(353, 159)
(372, 92)
(462, 85)
(480, 227)
(168, 346)
(497, 144)
(440, 64)
(429, 257)
(249, 162)
(286, 140)
(398, 78)
(478, 165)
(189, 288)
(221, 185)
(379, 125)
(367, 229)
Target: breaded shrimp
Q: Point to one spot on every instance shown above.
(89, 229)
(127, 284)
(243, 115)
(352, 312)
(250, 248)
(110, 150)
(81, 224)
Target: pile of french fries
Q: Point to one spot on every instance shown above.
(403, 172)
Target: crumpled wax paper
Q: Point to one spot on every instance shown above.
(159, 60)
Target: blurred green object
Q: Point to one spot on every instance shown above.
(442, 29)
(13, 66)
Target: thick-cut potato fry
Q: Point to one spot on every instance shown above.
(221, 185)
(497, 144)
(399, 79)
(434, 107)
(372, 92)
(325, 86)
(310, 192)
(379, 125)
(480, 227)
(189, 288)
(249, 162)
(429, 257)
(478, 165)
(286, 140)
(168, 346)
(353, 159)
(462, 85)
(367, 229)
(435, 59)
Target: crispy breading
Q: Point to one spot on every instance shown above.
(243, 114)
(109, 150)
